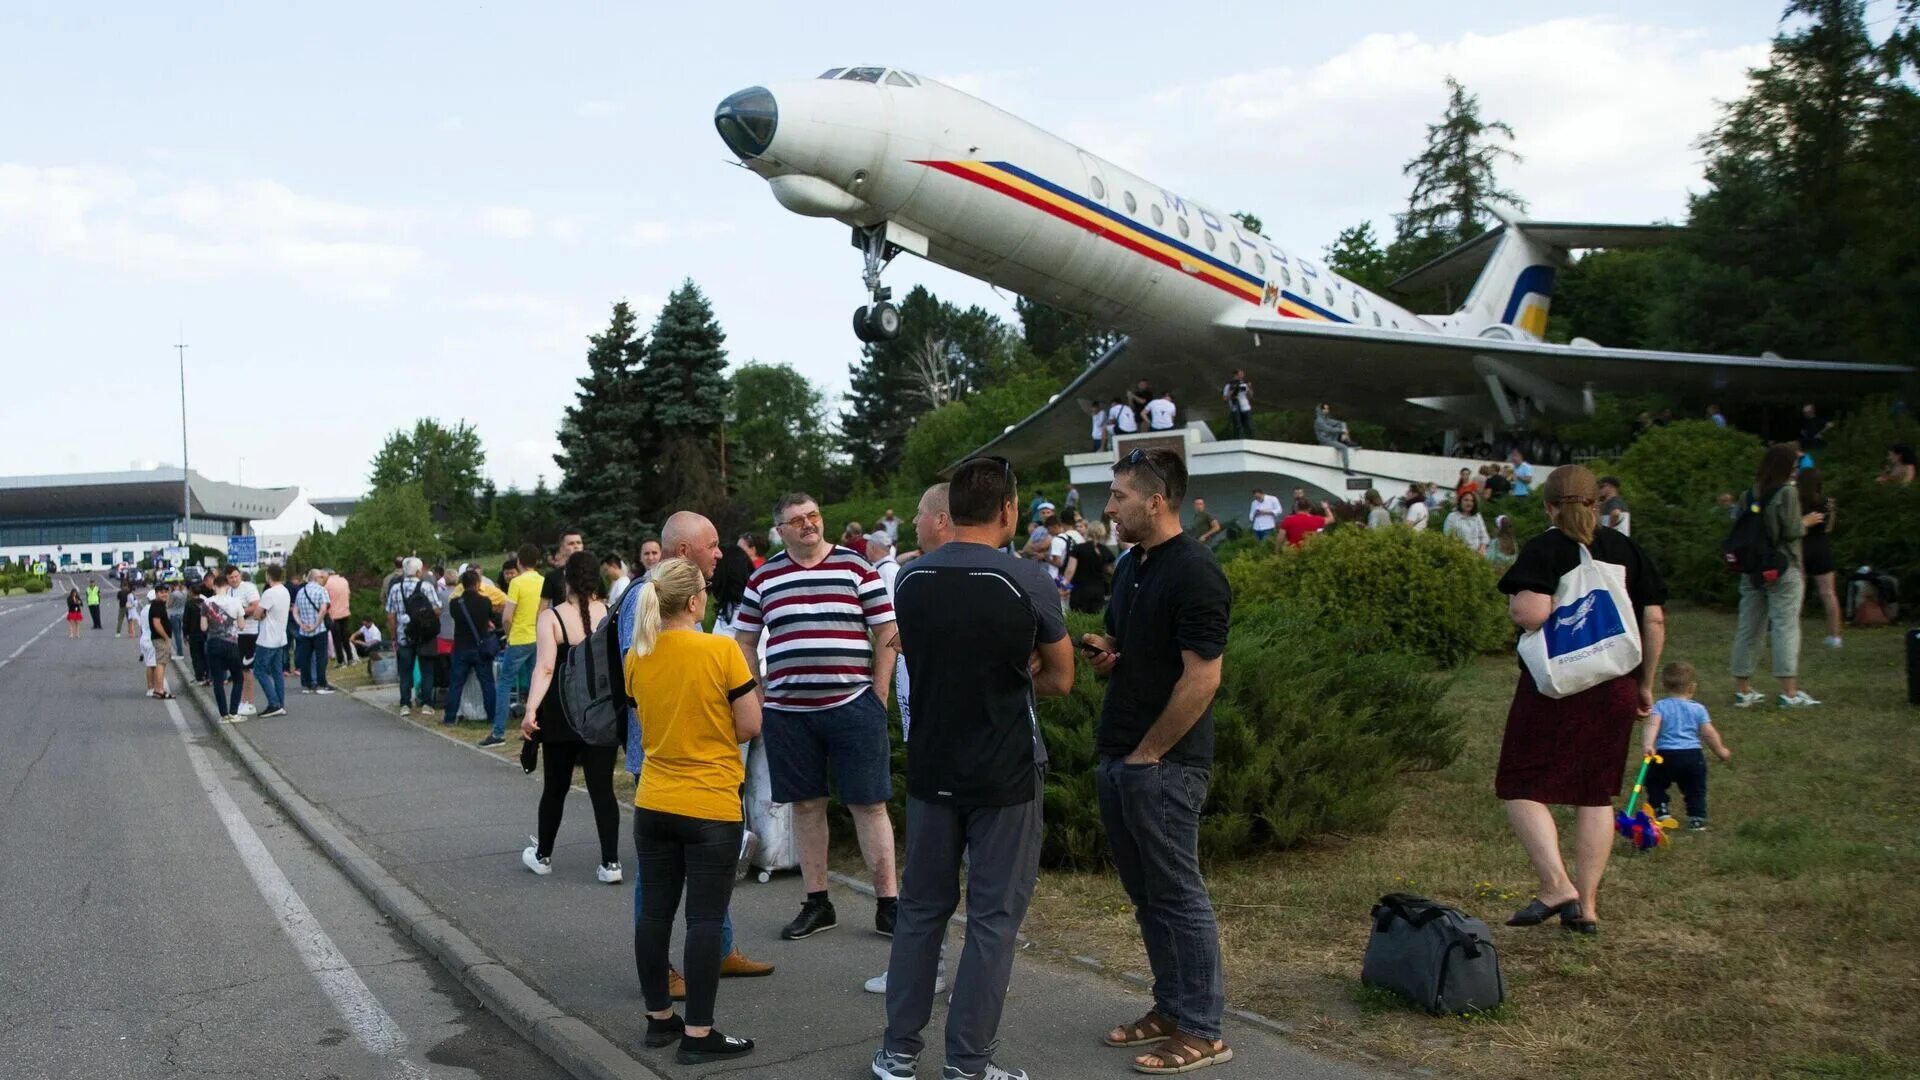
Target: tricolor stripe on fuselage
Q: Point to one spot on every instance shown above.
(1019, 184)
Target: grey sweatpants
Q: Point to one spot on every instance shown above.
(1001, 847)
(1770, 612)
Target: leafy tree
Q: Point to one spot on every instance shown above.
(950, 432)
(1356, 255)
(882, 405)
(606, 440)
(392, 520)
(778, 437)
(686, 403)
(445, 463)
(1454, 176)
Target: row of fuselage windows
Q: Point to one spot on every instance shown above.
(1285, 276)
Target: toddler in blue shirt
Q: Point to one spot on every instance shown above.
(1675, 731)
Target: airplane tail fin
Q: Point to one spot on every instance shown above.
(1516, 264)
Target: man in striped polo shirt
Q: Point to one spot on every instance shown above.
(830, 649)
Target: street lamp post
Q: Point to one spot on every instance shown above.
(186, 486)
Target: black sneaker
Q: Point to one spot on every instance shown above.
(884, 914)
(713, 1046)
(1696, 824)
(492, 740)
(814, 918)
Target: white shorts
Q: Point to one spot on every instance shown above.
(147, 656)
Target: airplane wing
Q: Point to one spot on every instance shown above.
(1436, 377)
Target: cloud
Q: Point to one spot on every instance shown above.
(656, 233)
(1605, 113)
(507, 222)
(201, 229)
(598, 110)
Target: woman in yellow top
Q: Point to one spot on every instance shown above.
(695, 703)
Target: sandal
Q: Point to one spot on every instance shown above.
(1183, 1053)
(1539, 911)
(1151, 1028)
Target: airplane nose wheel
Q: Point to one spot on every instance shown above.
(879, 321)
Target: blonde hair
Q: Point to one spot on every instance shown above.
(670, 586)
(1570, 492)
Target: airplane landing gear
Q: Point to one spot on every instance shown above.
(879, 321)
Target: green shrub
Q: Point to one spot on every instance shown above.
(1391, 590)
(1875, 525)
(35, 584)
(1686, 464)
(1310, 732)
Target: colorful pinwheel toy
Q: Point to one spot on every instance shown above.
(1636, 822)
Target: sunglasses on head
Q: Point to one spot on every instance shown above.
(1139, 459)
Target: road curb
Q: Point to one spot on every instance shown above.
(570, 1042)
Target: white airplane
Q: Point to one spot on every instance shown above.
(914, 165)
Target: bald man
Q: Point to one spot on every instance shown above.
(692, 537)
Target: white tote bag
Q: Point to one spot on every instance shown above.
(1591, 636)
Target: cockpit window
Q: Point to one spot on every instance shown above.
(911, 77)
(832, 73)
(894, 78)
(863, 74)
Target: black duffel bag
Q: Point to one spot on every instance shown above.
(1433, 955)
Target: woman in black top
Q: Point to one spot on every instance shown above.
(73, 613)
(1816, 550)
(1572, 751)
(568, 623)
(473, 622)
(1092, 565)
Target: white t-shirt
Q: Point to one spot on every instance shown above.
(248, 596)
(1265, 513)
(1058, 548)
(1160, 414)
(1237, 399)
(1099, 424)
(1417, 514)
(1121, 418)
(370, 634)
(273, 617)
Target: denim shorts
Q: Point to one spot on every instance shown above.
(849, 740)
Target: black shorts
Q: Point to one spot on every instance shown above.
(247, 642)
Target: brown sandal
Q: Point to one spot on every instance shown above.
(1183, 1053)
(1151, 1028)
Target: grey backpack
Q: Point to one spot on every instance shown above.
(1433, 955)
(587, 681)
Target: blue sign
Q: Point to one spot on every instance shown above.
(243, 550)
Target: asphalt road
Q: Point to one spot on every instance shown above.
(158, 918)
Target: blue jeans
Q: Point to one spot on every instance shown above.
(1152, 818)
(223, 666)
(179, 640)
(310, 656)
(465, 660)
(512, 662)
(269, 670)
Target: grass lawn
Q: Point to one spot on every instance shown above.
(1784, 941)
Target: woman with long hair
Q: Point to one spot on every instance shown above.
(74, 605)
(1505, 546)
(1377, 516)
(558, 628)
(695, 702)
(1770, 608)
(1816, 550)
(1466, 525)
(1572, 751)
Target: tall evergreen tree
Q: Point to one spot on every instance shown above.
(1061, 342)
(606, 443)
(686, 390)
(883, 404)
(1452, 179)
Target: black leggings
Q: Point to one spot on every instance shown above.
(597, 763)
(701, 855)
(341, 653)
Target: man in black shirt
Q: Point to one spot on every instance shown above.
(983, 636)
(1166, 631)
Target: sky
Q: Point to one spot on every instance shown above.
(363, 214)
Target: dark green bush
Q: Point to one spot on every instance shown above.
(1311, 734)
(1390, 590)
(35, 584)
(1875, 525)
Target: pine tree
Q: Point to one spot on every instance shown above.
(606, 442)
(1454, 176)
(1357, 256)
(685, 384)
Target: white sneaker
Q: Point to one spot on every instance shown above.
(532, 860)
(247, 709)
(406, 710)
(1748, 700)
(1833, 642)
(152, 694)
(608, 873)
(878, 984)
(991, 1072)
(306, 690)
(324, 690)
(1798, 700)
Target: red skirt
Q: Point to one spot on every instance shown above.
(73, 616)
(1571, 751)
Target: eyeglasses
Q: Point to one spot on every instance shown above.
(801, 521)
(1139, 459)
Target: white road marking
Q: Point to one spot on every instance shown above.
(31, 640)
(363, 1013)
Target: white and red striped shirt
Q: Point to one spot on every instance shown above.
(817, 621)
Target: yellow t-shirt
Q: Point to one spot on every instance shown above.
(683, 693)
(524, 591)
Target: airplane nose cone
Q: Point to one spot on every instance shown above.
(746, 121)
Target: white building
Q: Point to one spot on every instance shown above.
(98, 519)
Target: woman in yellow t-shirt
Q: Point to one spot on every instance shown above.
(695, 703)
